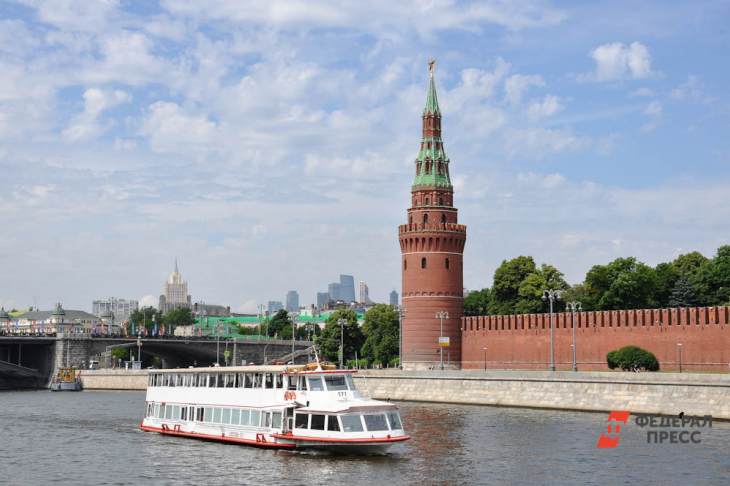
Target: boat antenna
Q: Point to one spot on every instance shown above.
(316, 357)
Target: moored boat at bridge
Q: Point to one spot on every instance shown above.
(286, 407)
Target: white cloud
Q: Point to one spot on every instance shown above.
(654, 109)
(538, 142)
(377, 16)
(691, 89)
(517, 84)
(96, 101)
(616, 61)
(171, 129)
(547, 107)
(642, 92)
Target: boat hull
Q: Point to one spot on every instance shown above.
(275, 441)
(66, 386)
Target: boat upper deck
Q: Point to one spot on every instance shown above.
(280, 369)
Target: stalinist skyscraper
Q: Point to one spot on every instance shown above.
(175, 292)
(432, 246)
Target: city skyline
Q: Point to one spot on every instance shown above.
(221, 136)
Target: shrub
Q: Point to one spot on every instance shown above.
(631, 358)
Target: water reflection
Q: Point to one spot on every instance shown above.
(92, 438)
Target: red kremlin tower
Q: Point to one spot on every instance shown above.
(432, 247)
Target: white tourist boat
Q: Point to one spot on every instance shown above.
(289, 407)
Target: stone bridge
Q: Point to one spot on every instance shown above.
(30, 362)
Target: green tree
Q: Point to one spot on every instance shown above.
(713, 279)
(329, 339)
(666, 278)
(144, 318)
(532, 288)
(683, 293)
(632, 357)
(280, 325)
(507, 280)
(182, 316)
(689, 263)
(476, 303)
(622, 284)
(381, 329)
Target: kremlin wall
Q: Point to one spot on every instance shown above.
(523, 341)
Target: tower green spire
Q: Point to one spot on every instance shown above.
(432, 101)
(432, 163)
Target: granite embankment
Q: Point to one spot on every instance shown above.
(661, 393)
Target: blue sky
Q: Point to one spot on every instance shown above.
(270, 145)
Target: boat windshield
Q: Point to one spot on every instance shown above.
(335, 382)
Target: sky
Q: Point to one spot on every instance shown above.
(270, 145)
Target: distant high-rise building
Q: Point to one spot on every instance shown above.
(364, 293)
(335, 290)
(347, 288)
(274, 306)
(175, 292)
(292, 301)
(322, 299)
(121, 308)
(394, 298)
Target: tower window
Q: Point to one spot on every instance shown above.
(443, 218)
(405, 264)
(425, 218)
(441, 201)
(427, 201)
(423, 262)
(447, 264)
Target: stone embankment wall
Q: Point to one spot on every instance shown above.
(523, 341)
(114, 379)
(662, 393)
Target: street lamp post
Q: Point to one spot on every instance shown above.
(551, 296)
(679, 355)
(441, 315)
(293, 316)
(218, 344)
(485, 358)
(574, 307)
(342, 322)
(139, 348)
(401, 316)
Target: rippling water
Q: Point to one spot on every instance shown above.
(92, 438)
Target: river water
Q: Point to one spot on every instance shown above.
(91, 438)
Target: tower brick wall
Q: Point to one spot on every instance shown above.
(523, 341)
(432, 247)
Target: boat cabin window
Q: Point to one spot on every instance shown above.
(302, 383)
(239, 380)
(255, 418)
(315, 383)
(351, 423)
(268, 380)
(217, 415)
(230, 380)
(279, 381)
(301, 420)
(394, 420)
(350, 382)
(245, 417)
(257, 380)
(291, 382)
(208, 414)
(335, 382)
(333, 424)
(199, 414)
(317, 422)
(276, 420)
(248, 383)
(375, 422)
(226, 416)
